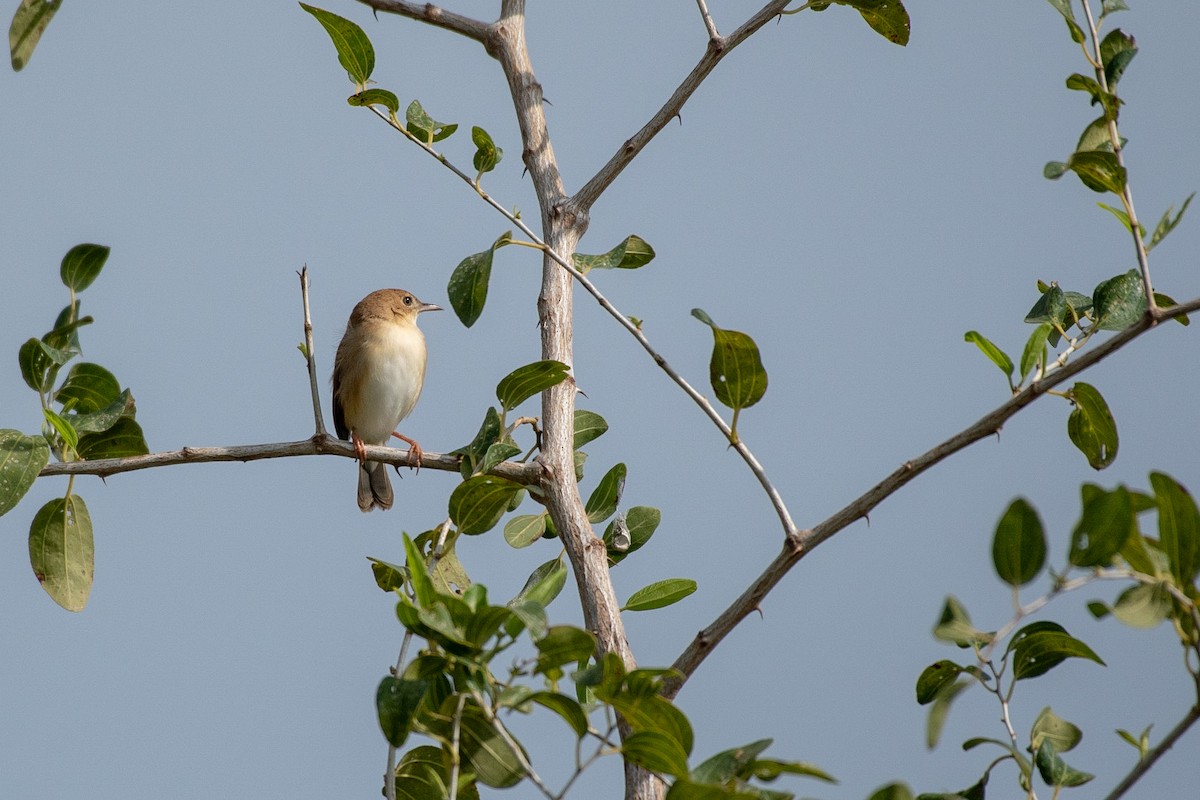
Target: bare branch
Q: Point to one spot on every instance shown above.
(309, 356)
(718, 48)
(801, 544)
(317, 445)
(434, 15)
(709, 25)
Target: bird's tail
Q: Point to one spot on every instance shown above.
(374, 487)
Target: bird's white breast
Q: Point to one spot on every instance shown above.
(392, 383)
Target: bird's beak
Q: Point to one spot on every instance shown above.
(430, 307)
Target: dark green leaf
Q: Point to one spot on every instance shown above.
(892, 791)
(1054, 170)
(935, 678)
(396, 703)
(424, 127)
(565, 707)
(28, 25)
(487, 155)
(474, 453)
(484, 749)
(1100, 171)
(21, 459)
(65, 334)
(355, 53)
(62, 551)
(631, 253)
(39, 364)
(1106, 524)
(1064, 8)
(1055, 771)
(543, 584)
(1164, 301)
(88, 388)
(422, 775)
(1019, 546)
(418, 574)
(468, 286)
(123, 439)
(768, 769)
(657, 752)
(388, 577)
(477, 504)
(497, 452)
(1041, 646)
(1117, 49)
(640, 523)
(82, 264)
(1167, 223)
(1178, 528)
(1091, 426)
(376, 97)
(524, 382)
(603, 501)
(1050, 307)
(562, 645)
(997, 356)
(660, 594)
(735, 371)
(730, 765)
(589, 426)
(649, 711)
(1120, 301)
(888, 18)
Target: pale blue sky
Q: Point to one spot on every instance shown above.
(853, 205)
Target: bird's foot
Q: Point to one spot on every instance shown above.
(415, 453)
(360, 448)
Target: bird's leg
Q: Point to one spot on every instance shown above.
(415, 453)
(360, 448)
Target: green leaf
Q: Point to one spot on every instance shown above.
(631, 253)
(62, 551)
(497, 453)
(660, 594)
(65, 430)
(28, 25)
(1178, 528)
(478, 503)
(468, 286)
(1104, 527)
(639, 523)
(1123, 218)
(396, 703)
(21, 459)
(657, 752)
(376, 97)
(1164, 301)
(1091, 426)
(589, 426)
(939, 711)
(1041, 646)
(425, 127)
(524, 382)
(39, 364)
(935, 678)
(1120, 301)
(88, 388)
(954, 626)
(888, 18)
(1049, 727)
(562, 645)
(123, 439)
(730, 765)
(1034, 355)
(388, 577)
(1054, 170)
(65, 334)
(82, 264)
(1099, 170)
(735, 371)
(487, 155)
(1117, 49)
(1111, 7)
(422, 775)
(418, 574)
(1167, 224)
(892, 791)
(474, 453)
(1019, 546)
(1143, 605)
(997, 356)
(603, 501)
(768, 769)
(484, 749)
(1055, 771)
(355, 53)
(524, 530)
(543, 584)
(1064, 8)
(649, 711)
(567, 708)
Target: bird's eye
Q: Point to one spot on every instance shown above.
(408, 300)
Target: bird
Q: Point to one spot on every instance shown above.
(378, 374)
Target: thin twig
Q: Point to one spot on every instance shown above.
(310, 354)
(1114, 136)
(805, 541)
(433, 15)
(389, 777)
(710, 26)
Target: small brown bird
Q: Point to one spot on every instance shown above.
(378, 373)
